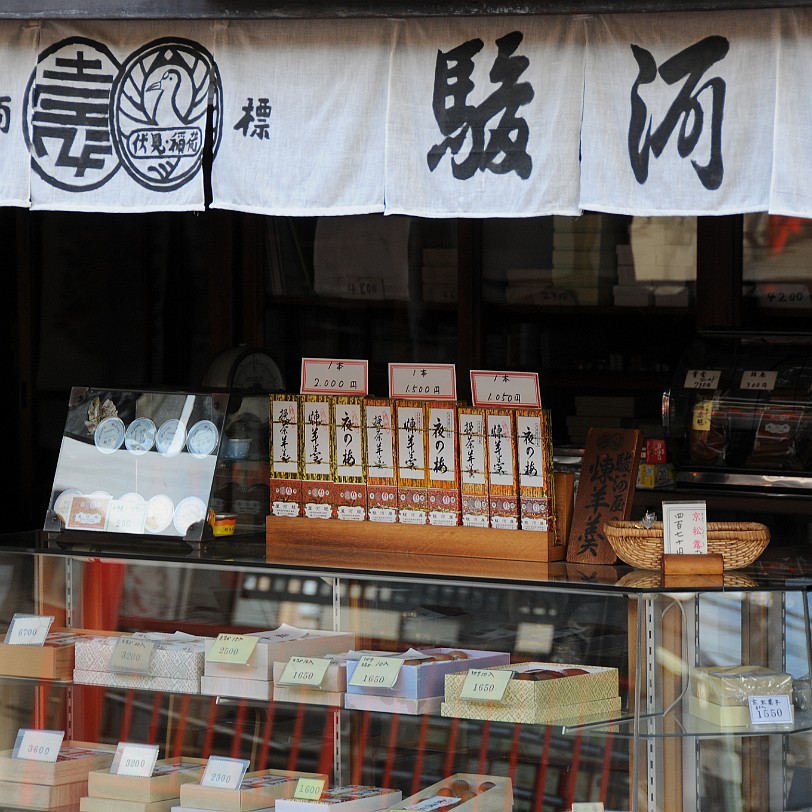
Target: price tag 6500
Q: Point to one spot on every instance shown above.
(232, 648)
(224, 773)
(38, 745)
(380, 672)
(132, 655)
(308, 789)
(774, 709)
(485, 685)
(134, 759)
(304, 671)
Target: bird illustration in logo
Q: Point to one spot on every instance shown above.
(165, 111)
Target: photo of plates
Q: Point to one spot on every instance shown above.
(202, 438)
(160, 510)
(109, 435)
(140, 436)
(189, 510)
(170, 438)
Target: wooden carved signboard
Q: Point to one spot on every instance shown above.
(605, 491)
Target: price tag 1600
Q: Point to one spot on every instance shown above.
(304, 671)
(132, 655)
(134, 759)
(308, 789)
(485, 685)
(38, 745)
(378, 672)
(223, 772)
(232, 648)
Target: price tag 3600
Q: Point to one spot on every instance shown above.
(38, 745)
(485, 685)
(378, 672)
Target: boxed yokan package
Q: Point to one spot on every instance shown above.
(443, 483)
(410, 706)
(535, 456)
(286, 485)
(176, 664)
(348, 453)
(317, 464)
(423, 672)
(75, 760)
(465, 791)
(279, 644)
(168, 776)
(473, 450)
(350, 798)
(562, 694)
(503, 475)
(381, 473)
(92, 804)
(52, 660)
(412, 475)
(258, 790)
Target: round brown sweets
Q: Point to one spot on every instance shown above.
(572, 672)
(441, 657)
(544, 673)
(458, 655)
(485, 786)
(467, 796)
(445, 792)
(460, 786)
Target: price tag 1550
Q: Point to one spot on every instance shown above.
(774, 709)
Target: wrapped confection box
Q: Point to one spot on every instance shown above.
(52, 660)
(176, 664)
(168, 776)
(259, 790)
(542, 693)
(467, 792)
(349, 798)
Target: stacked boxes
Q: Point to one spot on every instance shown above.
(53, 660)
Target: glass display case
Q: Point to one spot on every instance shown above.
(623, 689)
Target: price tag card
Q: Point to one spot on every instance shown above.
(134, 759)
(758, 380)
(591, 806)
(308, 789)
(380, 672)
(304, 671)
(224, 773)
(28, 630)
(423, 381)
(517, 389)
(361, 287)
(782, 295)
(771, 710)
(232, 648)
(334, 376)
(685, 528)
(702, 378)
(38, 745)
(132, 655)
(127, 516)
(485, 684)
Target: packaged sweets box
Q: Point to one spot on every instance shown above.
(52, 660)
(468, 792)
(349, 798)
(588, 694)
(426, 680)
(75, 760)
(168, 776)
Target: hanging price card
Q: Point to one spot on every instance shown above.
(132, 655)
(224, 773)
(380, 672)
(37, 745)
(702, 378)
(134, 759)
(28, 630)
(334, 376)
(758, 380)
(232, 648)
(770, 710)
(308, 789)
(423, 381)
(304, 671)
(517, 389)
(485, 684)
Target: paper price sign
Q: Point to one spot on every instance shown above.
(380, 672)
(304, 671)
(485, 685)
(685, 527)
(224, 773)
(770, 710)
(702, 378)
(127, 517)
(512, 389)
(28, 630)
(38, 745)
(591, 806)
(334, 376)
(423, 381)
(758, 380)
(134, 759)
(308, 789)
(232, 648)
(132, 655)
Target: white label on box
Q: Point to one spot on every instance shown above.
(224, 773)
(771, 294)
(758, 380)
(591, 806)
(378, 672)
(28, 630)
(361, 287)
(132, 655)
(304, 671)
(127, 516)
(232, 648)
(134, 759)
(423, 381)
(308, 789)
(485, 685)
(685, 528)
(702, 378)
(38, 745)
(774, 709)
(519, 389)
(334, 376)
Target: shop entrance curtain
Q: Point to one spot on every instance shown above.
(647, 114)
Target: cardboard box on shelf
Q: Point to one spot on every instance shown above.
(75, 760)
(92, 804)
(52, 660)
(350, 798)
(19, 795)
(719, 715)
(493, 793)
(733, 685)
(168, 776)
(237, 687)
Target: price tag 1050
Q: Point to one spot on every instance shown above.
(308, 789)
(132, 655)
(134, 759)
(232, 648)
(304, 671)
(771, 710)
(223, 772)
(485, 685)
(38, 745)
(378, 672)
(28, 630)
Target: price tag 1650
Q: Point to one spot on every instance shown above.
(378, 672)
(304, 671)
(485, 685)
(232, 648)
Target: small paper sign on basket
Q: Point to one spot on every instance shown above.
(685, 528)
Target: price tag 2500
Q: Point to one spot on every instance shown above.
(232, 648)
(378, 672)
(485, 684)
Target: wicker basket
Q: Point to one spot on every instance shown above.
(740, 543)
